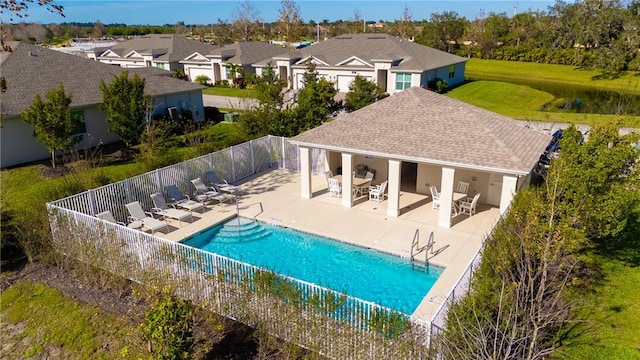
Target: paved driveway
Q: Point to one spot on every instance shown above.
(229, 102)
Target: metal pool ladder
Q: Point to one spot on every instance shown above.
(417, 250)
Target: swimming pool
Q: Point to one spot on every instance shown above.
(367, 274)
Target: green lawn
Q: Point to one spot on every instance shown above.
(54, 321)
(500, 70)
(611, 327)
(232, 92)
(522, 103)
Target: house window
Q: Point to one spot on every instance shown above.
(403, 81)
(81, 127)
(452, 71)
(160, 66)
(228, 70)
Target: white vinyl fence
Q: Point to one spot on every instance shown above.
(320, 319)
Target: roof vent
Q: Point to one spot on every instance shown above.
(376, 37)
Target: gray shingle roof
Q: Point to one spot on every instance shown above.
(369, 47)
(169, 47)
(248, 52)
(422, 126)
(31, 70)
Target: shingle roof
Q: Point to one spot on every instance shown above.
(369, 47)
(247, 52)
(31, 70)
(422, 126)
(169, 47)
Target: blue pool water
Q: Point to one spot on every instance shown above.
(366, 274)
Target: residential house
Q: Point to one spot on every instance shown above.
(214, 64)
(163, 51)
(389, 61)
(30, 70)
(418, 138)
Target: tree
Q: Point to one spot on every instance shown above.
(126, 105)
(443, 31)
(315, 100)
(405, 27)
(52, 123)
(246, 19)
(18, 8)
(290, 20)
(269, 117)
(362, 92)
(520, 302)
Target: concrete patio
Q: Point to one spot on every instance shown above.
(366, 224)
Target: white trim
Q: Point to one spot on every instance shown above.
(414, 159)
(313, 59)
(341, 63)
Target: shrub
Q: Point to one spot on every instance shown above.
(222, 83)
(168, 328)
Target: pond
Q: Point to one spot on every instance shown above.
(580, 99)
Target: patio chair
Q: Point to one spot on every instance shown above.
(182, 201)
(335, 189)
(108, 216)
(328, 175)
(435, 195)
(220, 185)
(364, 188)
(145, 218)
(377, 193)
(161, 208)
(463, 187)
(469, 207)
(205, 194)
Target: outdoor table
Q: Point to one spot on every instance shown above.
(358, 183)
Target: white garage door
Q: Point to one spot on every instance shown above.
(195, 72)
(343, 83)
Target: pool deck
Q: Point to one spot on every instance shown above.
(365, 224)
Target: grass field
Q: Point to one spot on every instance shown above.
(500, 70)
(522, 103)
(51, 323)
(611, 319)
(232, 92)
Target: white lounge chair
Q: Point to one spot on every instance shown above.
(145, 218)
(108, 216)
(435, 196)
(377, 193)
(335, 189)
(463, 187)
(221, 185)
(469, 207)
(182, 201)
(205, 194)
(161, 208)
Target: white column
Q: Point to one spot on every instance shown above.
(347, 180)
(446, 197)
(305, 173)
(509, 186)
(393, 188)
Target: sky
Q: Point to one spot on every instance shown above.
(160, 12)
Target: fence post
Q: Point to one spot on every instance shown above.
(270, 151)
(233, 164)
(283, 156)
(127, 190)
(253, 159)
(158, 180)
(92, 203)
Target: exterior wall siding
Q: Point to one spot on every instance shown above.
(18, 146)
